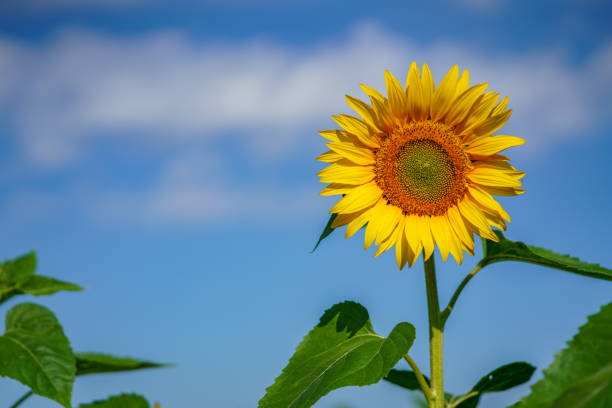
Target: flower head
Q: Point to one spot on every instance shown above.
(419, 167)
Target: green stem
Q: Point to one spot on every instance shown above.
(22, 399)
(451, 304)
(463, 398)
(436, 333)
(420, 377)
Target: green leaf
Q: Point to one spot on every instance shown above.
(500, 379)
(342, 350)
(326, 231)
(581, 374)
(14, 271)
(119, 401)
(405, 379)
(18, 269)
(19, 277)
(39, 285)
(506, 250)
(35, 352)
(94, 363)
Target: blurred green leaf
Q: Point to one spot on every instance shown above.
(19, 277)
(581, 374)
(500, 379)
(35, 352)
(506, 250)
(39, 285)
(94, 363)
(119, 401)
(342, 350)
(404, 378)
(326, 231)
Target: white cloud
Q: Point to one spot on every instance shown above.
(165, 87)
(166, 91)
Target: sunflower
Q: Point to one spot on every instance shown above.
(419, 167)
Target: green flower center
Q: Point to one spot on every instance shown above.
(424, 170)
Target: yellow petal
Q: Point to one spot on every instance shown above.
(356, 154)
(479, 113)
(503, 191)
(383, 223)
(442, 235)
(494, 219)
(462, 105)
(384, 118)
(415, 94)
(444, 94)
(358, 128)
(426, 236)
(503, 104)
(493, 144)
(363, 109)
(485, 199)
(493, 157)
(329, 157)
(474, 216)
(414, 231)
(354, 175)
(337, 135)
(487, 176)
(464, 83)
(458, 225)
(337, 188)
(396, 92)
(371, 92)
(330, 135)
(403, 253)
(391, 240)
(490, 125)
(376, 220)
(361, 220)
(343, 219)
(428, 87)
(361, 197)
(390, 220)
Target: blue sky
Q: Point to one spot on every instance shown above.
(162, 155)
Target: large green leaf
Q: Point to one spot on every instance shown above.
(581, 374)
(18, 277)
(500, 379)
(342, 350)
(506, 250)
(35, 352)
(94, 363)
(119, 401)
(326, 231)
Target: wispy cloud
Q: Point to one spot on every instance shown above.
(168, 91)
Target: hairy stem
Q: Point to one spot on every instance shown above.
(420, 377)
(22, 399)
(436, 332)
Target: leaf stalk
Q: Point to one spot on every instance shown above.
(420, 377)
(451, 304)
